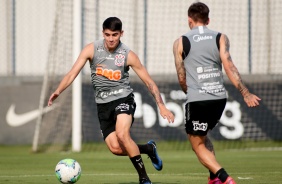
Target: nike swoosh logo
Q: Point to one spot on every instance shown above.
(137, 160)
(15, 120)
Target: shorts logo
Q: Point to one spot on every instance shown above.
(200, 126)
(119, 60)
(122, 107)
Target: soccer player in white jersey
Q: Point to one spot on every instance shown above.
(199, 55)
(110, 61)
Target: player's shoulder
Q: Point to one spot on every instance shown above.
(177, 46)
(224, 38)
(177, 41)
(132, 55)
(88, 51)
(132, 58)
(99, 44)
(123, 48)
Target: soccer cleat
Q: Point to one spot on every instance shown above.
(145, 181)
(156, 160)
(229, 180)
(214, 181)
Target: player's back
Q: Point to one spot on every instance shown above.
(204, 75)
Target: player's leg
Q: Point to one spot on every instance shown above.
(107, 117)
(150, 149)
(214, 116)
(107, 125)
(123, 125)
(206, 157)
(200, 118)
(114, 145)
(213, 179)
(197, 126)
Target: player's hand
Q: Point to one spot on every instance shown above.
(52, 98)
(166, 114)
(251, 100)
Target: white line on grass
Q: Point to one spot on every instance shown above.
(245, 178)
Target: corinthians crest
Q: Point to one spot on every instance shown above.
(119, 60)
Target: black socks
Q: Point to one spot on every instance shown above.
(145, 148)
(222, 175)
(139, 166)
(212, 176)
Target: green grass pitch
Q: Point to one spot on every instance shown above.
(19, 165)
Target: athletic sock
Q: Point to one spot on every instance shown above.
(139, 166)
(145, 148)
(212, 176)
(222, 175)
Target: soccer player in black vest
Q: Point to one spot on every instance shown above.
(199, 55)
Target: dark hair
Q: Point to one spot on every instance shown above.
(113, 24)
(199, 12)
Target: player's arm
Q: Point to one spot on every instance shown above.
(233, 73)
(179, 64)
(141, 71)
(86, 54)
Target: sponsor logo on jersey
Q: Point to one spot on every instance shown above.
(110, 74)
(121, 51)
(209, 75)
(200, 70)
(198, 38)
(119, 60)
(110, 57)
(100, 48)
(106, 94)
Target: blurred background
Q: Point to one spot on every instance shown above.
(37, 42)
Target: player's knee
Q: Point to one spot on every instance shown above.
(122, 137)
(116, 150)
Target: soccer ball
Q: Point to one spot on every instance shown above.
(68, 171)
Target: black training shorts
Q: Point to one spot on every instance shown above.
(107, 113)
(202, 116)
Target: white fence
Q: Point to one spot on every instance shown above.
(27, 25)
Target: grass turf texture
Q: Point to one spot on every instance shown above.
(19, 165)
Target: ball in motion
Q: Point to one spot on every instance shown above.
(68, 171)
